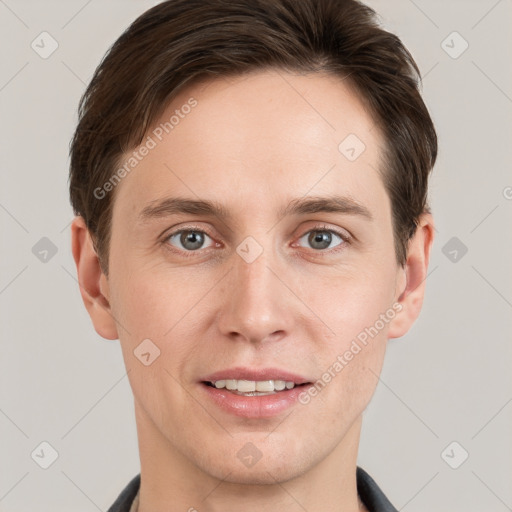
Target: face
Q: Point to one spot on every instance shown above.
(294, 278)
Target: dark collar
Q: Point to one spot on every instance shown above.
(369, 492)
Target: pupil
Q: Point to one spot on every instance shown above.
(195, 238)
(323, 238)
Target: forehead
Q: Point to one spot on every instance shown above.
(247, 141)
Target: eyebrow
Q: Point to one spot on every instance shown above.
(299, 206)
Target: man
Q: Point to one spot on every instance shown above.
(249, 180)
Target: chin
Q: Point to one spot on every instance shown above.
(256, 460)
(268, 473)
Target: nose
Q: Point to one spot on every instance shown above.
(256, 303)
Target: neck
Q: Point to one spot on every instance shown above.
(171, 482)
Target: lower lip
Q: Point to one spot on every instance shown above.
(263, 406)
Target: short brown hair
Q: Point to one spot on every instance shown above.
(178, 42)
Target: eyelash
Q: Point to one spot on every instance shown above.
(322, 228)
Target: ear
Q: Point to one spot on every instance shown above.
(93, 282)
(412, 277)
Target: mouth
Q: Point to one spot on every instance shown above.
(254, 393)
(254, 388)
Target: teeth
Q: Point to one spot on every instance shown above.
(265, 385)
(279, 385)
(246, 386)
(231, 384)
(250, 386)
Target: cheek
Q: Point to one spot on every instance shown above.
(358, 311)
(151, 303)
(154, 344)
(149, 311)
(348, 302)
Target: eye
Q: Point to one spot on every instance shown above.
(190, 239)
(321, 239)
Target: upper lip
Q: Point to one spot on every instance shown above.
(255, 374)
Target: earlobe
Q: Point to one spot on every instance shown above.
(411, 283)
(94, 287)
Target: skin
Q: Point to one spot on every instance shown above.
(253, 143)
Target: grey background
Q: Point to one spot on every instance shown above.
(448, 380)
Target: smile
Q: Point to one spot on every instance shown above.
(253, 393)
(253, 388)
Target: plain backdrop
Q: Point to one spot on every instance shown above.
(437, 434)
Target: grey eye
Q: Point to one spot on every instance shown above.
(190, 239)
(320, 239)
